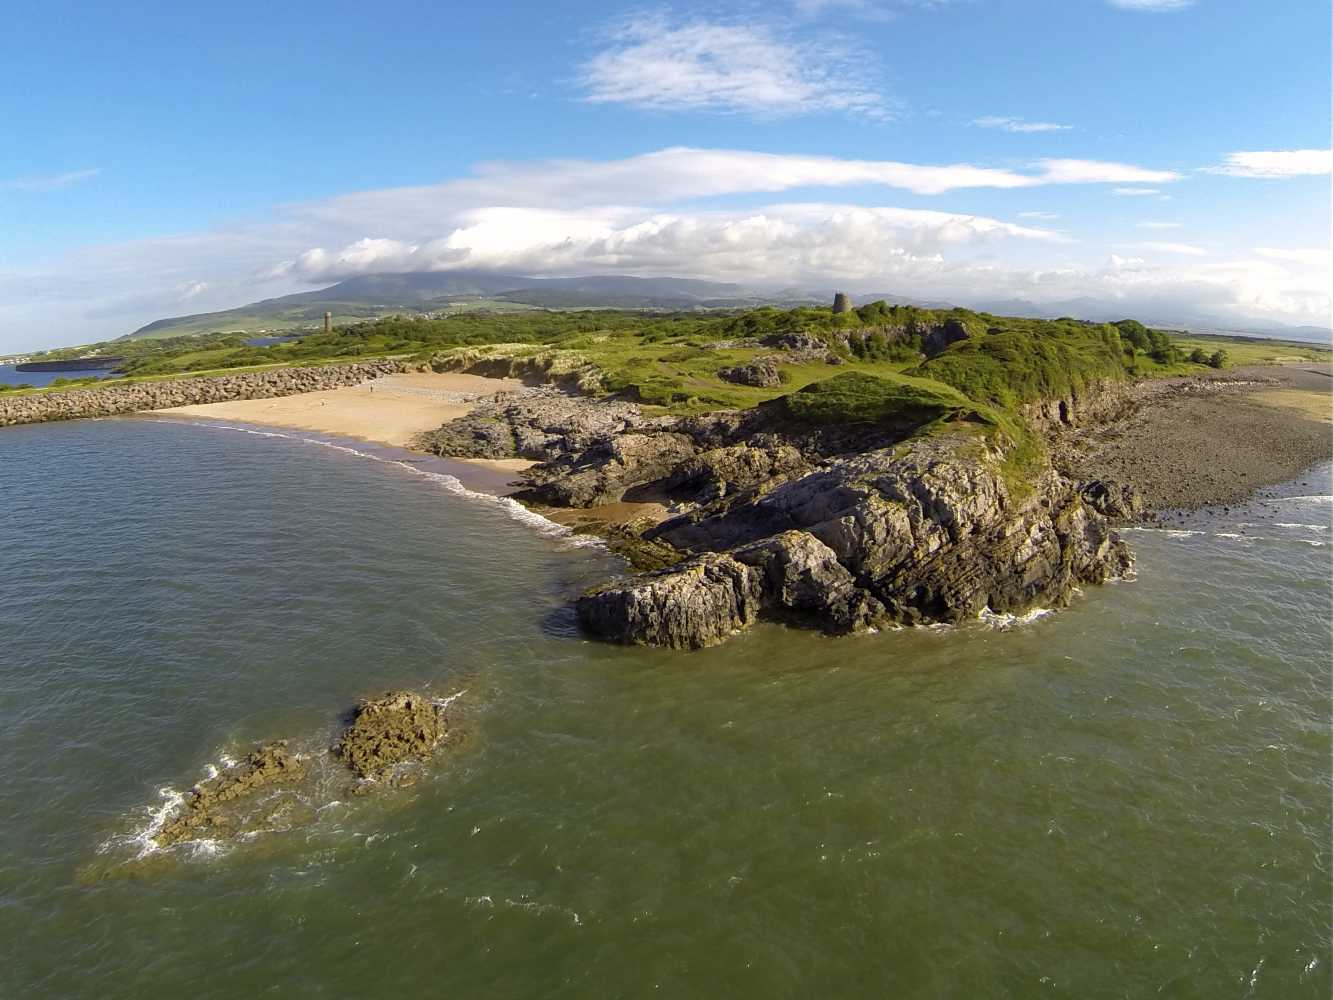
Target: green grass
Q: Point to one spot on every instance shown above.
(669, 362)
(1254, 350)
(858, 398)
(1021, 361)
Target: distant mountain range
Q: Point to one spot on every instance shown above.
(371, 295)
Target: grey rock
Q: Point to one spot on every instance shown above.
(926, 535)
(762, 373)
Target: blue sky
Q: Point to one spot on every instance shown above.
(1166, 156)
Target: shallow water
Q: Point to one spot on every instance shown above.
(1125, 798)
(9, 375)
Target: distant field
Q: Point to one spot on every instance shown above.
(1255, 350)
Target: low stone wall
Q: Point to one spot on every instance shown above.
(111, 400)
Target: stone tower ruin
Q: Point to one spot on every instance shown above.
(842, 303)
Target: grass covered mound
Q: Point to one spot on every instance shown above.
(857, 398)
(1022, 361)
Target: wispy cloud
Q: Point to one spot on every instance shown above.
(1276, 164)
(52, 182)
(1317, 256)
(1153, 224)
(1188, 249)
(827, 220)
(864, 10)
(1018, 124)
(657, 64)
(1103, 172)
(1152, 6)
(1135, 192)
(1047, 216)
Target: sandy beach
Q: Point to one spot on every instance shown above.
(391, 410)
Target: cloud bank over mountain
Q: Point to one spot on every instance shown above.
(802, 220)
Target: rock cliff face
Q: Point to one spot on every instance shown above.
(110, 400)
(930, 535)
(840, 527)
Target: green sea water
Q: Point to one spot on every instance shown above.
(1126, 798)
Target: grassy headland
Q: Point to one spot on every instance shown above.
(988, 365)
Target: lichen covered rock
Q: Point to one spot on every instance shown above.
(401, 726)
(931, 534)
(205, 811)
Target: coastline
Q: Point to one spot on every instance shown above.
(1190, 444)
(391, 410)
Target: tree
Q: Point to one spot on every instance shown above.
(1219, 359)
(1198, 356)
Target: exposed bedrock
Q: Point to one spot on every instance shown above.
(839, 526)
(384, 738)
(931, 535)
(541, 424)
(761, 372)
(401, 726)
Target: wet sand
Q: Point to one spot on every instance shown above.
(1188, 444)
(392, 410)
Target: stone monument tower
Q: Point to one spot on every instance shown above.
(328, 322)
(842, 303)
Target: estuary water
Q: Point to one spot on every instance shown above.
(10, 375)
(1125, 798)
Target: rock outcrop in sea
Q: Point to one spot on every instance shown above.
(840, 526)
(205, 812)
(401, 726)
(385, 737)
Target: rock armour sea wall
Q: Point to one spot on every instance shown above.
(112, 400)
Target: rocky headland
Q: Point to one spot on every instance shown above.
(775, 513)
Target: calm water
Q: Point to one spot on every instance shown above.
(9, 375)
(1128, 798)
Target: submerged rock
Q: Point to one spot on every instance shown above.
(205, 811)
(399, 727)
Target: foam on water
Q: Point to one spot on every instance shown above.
(1007, 620)
(511, 508)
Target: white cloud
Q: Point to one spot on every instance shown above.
(1136, 192)
(1317, 256)
(50, 183)
(1152, 224)
(1043, 216)
(656, 64)
(1154, 6)
(1277, 164)
(681, 173)
(825, 220)
(776, 243)
(1187, 249)
(1102, 172)
(1018, 124)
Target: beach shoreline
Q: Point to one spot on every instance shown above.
(1189, 444)
(391, 411)
(1181, 448)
